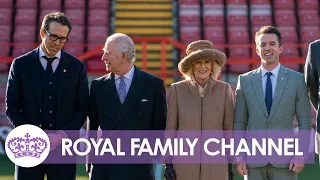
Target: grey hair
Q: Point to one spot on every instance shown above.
(124, 44)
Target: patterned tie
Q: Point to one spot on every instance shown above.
(122, 89)
(49, 67)
(268, 96)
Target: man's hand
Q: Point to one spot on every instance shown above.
(241, 167)
(55, 140)
(169, 173)
(297, 164)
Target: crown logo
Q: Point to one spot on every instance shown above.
(31, 147)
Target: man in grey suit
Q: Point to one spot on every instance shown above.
(311, 72)
(267, 99)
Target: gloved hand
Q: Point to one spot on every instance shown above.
(169, 173)
(231, 173)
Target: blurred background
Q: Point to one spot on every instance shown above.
(161, 29)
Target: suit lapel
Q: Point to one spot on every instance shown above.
(257, 84)
(136, 87)
(62, 75)
(108, 88)
(35, 70)
(281, 83)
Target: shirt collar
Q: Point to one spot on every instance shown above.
(275, 71)
(41, 53)
(129, 74)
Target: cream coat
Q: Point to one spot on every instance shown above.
(186, 113)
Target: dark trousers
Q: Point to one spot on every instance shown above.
(53, 172)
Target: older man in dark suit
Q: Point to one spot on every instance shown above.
(48, 88)
(127, 98)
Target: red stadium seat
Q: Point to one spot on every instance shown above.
(288, 33)
(309, 33)
(239, 53)
(98, 17)
(214, 34)
(236, 3)
(289, 53)
(24, 33)
(254, 29)
(188, 2)
(19, 50)
(213, 3)
(5, 16)
(284, 4)
(5, 31)
(4, 50)
(6, 3)
(308, 16)
(27, 4)
(74, 4)
(74, 50)
(77, 34)
(261, 16)
(189, 34)
(50, 4)
(285, 16)
(98, 4)
(213, 16)
(76, 16)
(95, 65)
(238, 34)
(26, 17)
(190, 16)
(308, 4)
(260, 4)
(237, 17)
(97, 34)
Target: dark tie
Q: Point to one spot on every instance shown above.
(49, 67)
(268, 96)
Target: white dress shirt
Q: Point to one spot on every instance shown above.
(273, 78)
(127, 79)
(44, 62)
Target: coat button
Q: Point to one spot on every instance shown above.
(40, 125)
(139, 114)
(50, 125)
(269, 126)
(40, 110)
(50, 97)
(50, 111)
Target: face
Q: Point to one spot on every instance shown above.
(202, 70)
(51, 47)
(110, 57)
(268, 48)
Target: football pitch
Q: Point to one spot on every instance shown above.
(310, 172)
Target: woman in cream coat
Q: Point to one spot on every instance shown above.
(201, 102)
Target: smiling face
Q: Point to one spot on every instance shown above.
(49, 46)
(269, 49)
(202, 70)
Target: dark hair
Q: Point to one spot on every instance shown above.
(269, 30)
(58, 17)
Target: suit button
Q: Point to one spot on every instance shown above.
(50, 83)
(139, 114)
(40, 110)
(40, 125)
(50, 125)
(50, 97)
(50, 111)
(269, 126)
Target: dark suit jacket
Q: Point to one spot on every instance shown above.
(107, 112)
(312, 70)
(23, 96)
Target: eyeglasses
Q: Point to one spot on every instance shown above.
(54, 37)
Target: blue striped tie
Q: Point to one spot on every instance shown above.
(122, 90)
(268, 95)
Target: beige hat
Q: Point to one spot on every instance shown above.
(200, 50)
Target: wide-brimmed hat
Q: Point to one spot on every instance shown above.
(202, 50)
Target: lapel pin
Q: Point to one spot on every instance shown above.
(282, 78)
(64, 70)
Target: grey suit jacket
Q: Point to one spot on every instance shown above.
(290, 99)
